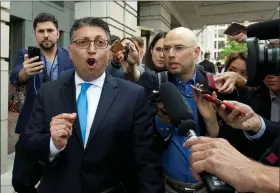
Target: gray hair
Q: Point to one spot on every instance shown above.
(91, 22)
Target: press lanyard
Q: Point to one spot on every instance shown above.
(45, 62)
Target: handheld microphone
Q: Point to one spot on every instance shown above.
(181, 116)
(175, 105)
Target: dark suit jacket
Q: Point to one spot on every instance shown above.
(120, 145)
(208, 66)
(64, 63)
(260, 102)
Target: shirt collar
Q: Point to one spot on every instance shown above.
(272, 96)
(191, 81)
(99, 82)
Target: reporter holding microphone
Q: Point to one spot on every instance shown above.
(216, 156)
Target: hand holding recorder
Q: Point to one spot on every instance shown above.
(213, 99)
(220, 158)
(249, 122)
(230, 81)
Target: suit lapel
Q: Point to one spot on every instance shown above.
(201, 77)
(108, 95)
(40, 78)
(68, 93)
(60, 58)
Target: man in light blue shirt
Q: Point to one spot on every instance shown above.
(51, 68)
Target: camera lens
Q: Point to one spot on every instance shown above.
(273, 61)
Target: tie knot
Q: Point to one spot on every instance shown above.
(85, 86)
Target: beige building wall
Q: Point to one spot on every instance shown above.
(121, 16)
(4, 69)
(155, 15)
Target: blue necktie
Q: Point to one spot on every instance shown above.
(82, 105)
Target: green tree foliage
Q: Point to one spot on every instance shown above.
(232, 46)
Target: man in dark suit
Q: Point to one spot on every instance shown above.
(54, 61)
(262, 131)
(94, 132)
(31, 74)
(207, 65)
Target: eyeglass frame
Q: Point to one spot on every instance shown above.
(171, 47)
(75, 41)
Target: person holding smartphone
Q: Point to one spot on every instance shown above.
(33, 67)
(125, 62)
(245, 134)
(46, 66)
(263, 30)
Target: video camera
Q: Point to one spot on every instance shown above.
(261, 61)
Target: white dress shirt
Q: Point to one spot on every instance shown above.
(93, 97)
(275, 107)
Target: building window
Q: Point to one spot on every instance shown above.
(218, 56)
(59, 3)
(221, 33)
(221, 44)
(215, 46)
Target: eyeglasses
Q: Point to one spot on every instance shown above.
(176, 48)
(85, 43)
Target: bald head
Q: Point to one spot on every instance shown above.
(183, 34)
(180, 52)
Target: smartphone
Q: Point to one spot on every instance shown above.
(117, 46)
(218, 102)
(235, 29)
(33, 52)
(216, 85)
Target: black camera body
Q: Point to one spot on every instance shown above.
(261, 61)
(154, 97)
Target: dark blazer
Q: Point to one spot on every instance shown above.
(208, 66)
(64, 63)
(260, 102)
(114, 70)
(120, 145)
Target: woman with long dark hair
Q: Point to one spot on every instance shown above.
(154, 56)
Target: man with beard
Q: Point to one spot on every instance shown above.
(31, 74)
(54, 60)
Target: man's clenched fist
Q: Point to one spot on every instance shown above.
(61, 128)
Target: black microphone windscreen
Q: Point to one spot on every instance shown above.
(148, 81)
(185, 126)
(175, 105)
